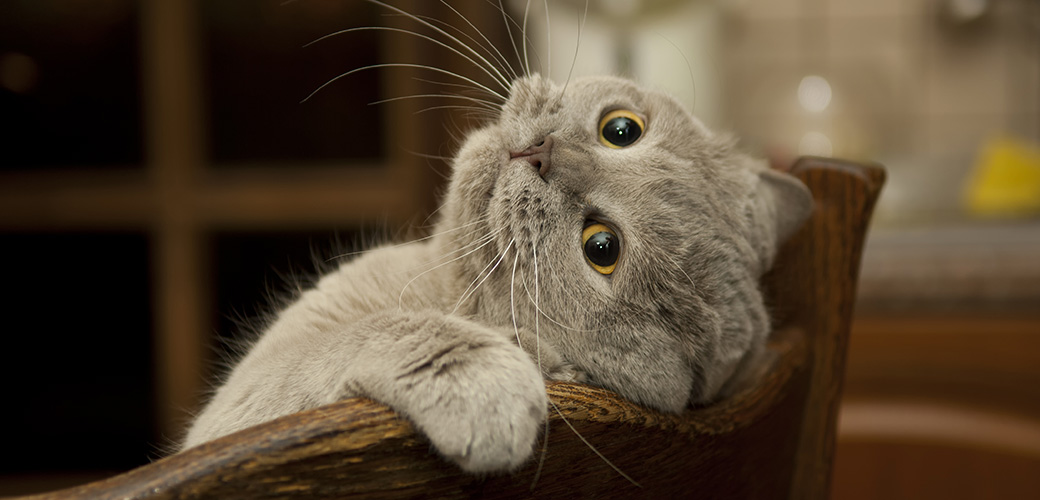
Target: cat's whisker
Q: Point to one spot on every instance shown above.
(400, 298)
(437, 262)
(524, 38)
(412, 33)
(463, 86)
(425, 223)
(538, 356)
(593, 448)
(681, 270)
(548, 43)
(537, 339)
(512, 302)
(447, 231)
(500, 57)
(545, 451)
(403, 65)
(657, 250)
(465, 247)
(577, 45)
(458, 133)
(470, 111)
(505, 64)
(500, 79)
(446, 84)
(461, 249)
(632, 316)
(545, 315)
(473, 289)
(455, 132)
(523, 32)
(475, 107)
(436, 171)
(689, 68)
(478, 116)
(430, 157)
(477, 101)
(541, 312)
(509, 32)
(537, 330)
(470, 114)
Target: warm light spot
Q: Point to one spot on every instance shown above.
(967, 10)
(18, 72)
(815, 144)
(814, 93)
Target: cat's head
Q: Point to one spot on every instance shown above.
(640, 234)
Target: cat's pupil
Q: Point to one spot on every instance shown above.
(621, 131)
(602, 249)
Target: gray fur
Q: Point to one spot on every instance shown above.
(699, 223)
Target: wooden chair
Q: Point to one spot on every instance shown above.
(773, 439)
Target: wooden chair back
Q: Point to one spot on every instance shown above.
(774, 438)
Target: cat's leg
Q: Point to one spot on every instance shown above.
(476, 394)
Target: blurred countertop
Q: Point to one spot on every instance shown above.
(969, 267)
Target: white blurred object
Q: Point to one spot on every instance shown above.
(814, 93)
(965, 11)
(670, 45)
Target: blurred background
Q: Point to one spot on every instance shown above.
(160, 181)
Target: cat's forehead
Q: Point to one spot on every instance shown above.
(537, 105)
(572, 112)
(537, 95)
(610, 89)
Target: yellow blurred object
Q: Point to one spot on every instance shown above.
(1006, 180)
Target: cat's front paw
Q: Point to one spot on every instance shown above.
(478, 397)
(487, 410)
(497, 437)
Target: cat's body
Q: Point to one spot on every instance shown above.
(456, 332)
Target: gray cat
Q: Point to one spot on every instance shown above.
(593, 232)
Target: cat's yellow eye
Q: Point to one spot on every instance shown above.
(602, 247)
(620, 128)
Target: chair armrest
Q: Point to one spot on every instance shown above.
(358, 447)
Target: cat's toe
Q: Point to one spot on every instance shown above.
(500, 446)
(494, 429)
(567, 373)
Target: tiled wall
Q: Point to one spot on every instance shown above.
(913, 86)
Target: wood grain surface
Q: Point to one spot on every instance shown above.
(361, 447)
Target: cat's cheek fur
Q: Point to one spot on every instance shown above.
(645, 366)
(475, 171)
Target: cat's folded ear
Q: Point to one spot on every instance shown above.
(791, 200)
(782, 204)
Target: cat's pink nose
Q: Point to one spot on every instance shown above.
(539, 155)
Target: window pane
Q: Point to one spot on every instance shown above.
(259, 71)
(69, 84)
(77, 371)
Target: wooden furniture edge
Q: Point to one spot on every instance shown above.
(828, 249)
(356, 426)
